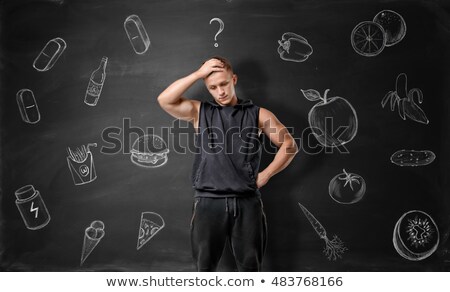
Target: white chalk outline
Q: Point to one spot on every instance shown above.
(349, 179)
(221, 27)
(76, 163)
(147, 159)
(150, 216)
(389, 44)
(285, 45)
(333, 248)
(22, 202)
(94, 89)
(93, 234)
(368, 37)
(54, 57)
(24, 109)
(314, 95)
(406, 104)
(143, 36)
(402, 248)
(398, 158)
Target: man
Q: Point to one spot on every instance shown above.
(225, 176)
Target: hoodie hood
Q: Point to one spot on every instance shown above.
(241, 104)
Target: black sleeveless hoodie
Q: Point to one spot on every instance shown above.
(229, 150)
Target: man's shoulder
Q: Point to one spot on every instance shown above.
(196, 103)
(264, 113)
(265, 116)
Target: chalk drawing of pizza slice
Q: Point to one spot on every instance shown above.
(151, 223)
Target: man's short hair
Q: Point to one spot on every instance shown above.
(226, 63)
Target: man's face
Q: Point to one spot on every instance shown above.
(221, 87)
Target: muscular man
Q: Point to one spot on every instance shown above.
(225, 176)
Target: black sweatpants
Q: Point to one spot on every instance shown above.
(239, 220)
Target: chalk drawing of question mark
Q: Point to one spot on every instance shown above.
(222, 25)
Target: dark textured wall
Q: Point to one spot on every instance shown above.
(181, 39)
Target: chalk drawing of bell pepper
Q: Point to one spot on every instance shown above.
(294, 48)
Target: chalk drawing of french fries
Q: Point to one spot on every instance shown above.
(81, 164)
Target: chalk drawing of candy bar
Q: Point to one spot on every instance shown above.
(293, 47)
(415, 236)
(151, 224)
(28, 108)
(81, 164)
(413, 157)
(49, 54)
(92, 237)
(137, 34)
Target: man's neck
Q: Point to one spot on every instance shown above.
(234, 101)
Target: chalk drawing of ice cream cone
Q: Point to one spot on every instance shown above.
(92, 236)
(81, 164)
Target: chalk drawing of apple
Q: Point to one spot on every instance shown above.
(333, 121)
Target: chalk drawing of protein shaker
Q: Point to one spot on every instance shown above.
(95, 84)
(32, 208)
(81, 164)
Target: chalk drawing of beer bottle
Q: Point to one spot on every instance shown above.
(95, 85)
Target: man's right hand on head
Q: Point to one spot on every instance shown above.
(212, 65)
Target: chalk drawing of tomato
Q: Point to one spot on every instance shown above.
(347, 188)
(333, 121)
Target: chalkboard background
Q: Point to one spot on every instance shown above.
(181, 39)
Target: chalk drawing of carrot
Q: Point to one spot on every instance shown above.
(333, 248)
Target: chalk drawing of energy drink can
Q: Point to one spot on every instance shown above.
(81, 164)
(32, 208)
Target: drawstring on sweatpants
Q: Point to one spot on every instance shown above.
(234, 206)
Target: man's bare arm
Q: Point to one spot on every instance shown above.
(280, 136)
(172, 99)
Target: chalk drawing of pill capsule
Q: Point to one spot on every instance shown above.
(137, 34)
(413, 157)
(49, 54)
(27, 106)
